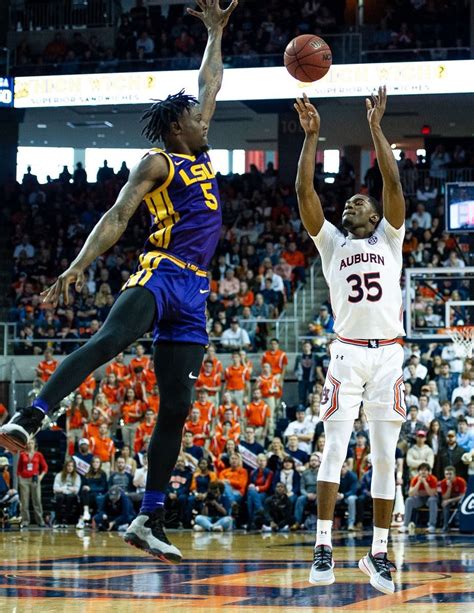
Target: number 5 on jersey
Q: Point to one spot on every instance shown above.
(209, 198)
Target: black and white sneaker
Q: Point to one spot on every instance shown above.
(321, 572)
(379, 568)
(22, 427)
(147, 533)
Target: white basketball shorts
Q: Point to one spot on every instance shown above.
(368, 372)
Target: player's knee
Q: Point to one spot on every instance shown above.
(382, 464)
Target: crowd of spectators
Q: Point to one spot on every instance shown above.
(257, 35)
(260, 259)
(247, 460)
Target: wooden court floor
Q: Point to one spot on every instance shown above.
(77, 572)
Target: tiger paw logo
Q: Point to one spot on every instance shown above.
(325, 395)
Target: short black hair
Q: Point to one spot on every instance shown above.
(376, 206)
(163, 113)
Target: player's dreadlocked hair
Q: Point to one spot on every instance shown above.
(163, 113)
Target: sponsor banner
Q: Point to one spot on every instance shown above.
(466, 508)
(345, 80)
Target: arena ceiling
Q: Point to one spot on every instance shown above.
(254, 125)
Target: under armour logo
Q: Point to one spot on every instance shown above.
(339, 357)
(373, 344)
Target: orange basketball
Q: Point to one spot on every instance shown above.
(308, 58)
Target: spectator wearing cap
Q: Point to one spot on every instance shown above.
(419, 453)
(423, 491)
(115, 511)
(9, 498)
(302, 429)
(235, 337)
(83, 457)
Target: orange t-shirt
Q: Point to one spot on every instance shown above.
(207, 382)
(92, 430)
(103, 448)
(237, 477)
(207, 410)
(257, 414)
(217, 366)
(145, 376)
(144, 362)
(144, 430)
(294, 258)
(113, 394)
(153, 403)
(223, 408)
(119, 370)
(236, 377)
(269, 386)
(76, 419)
(132, 412)
(46, 369)
(431, 480)
(247, 299)
(200, 431)
(277, 360)
(87, 387)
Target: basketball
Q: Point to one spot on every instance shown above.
(308, 58)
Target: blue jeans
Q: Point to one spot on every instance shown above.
(232, 495)
(205, 522)
(255, 502)
(351, 502)
(300, 506)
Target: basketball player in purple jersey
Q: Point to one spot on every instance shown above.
(168, 292)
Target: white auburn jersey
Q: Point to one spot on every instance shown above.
(364, 281)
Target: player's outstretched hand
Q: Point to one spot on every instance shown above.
(72, 275)
(375, 106)
(211, 13)
(308, 115)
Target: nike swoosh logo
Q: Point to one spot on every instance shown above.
(204, 291)
(191, 376)
(178, 163)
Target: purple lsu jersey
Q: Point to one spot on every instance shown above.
(185, 209)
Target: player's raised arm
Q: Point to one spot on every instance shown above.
(211, 72)
(393, 200)
(309, 203)
(149, 171)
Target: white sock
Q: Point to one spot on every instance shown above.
(379, 540)
(323, 532)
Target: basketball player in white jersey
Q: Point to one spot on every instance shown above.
(362, 267)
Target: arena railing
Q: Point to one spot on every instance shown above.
(416, 55)
(412, 181)
(346, 49)
(285, 328)
(57, 14)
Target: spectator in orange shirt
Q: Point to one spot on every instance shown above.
(249, 368)
(423, 491)
(217, 367)
(225, 432)
(142, 381)
(207, 409)
(97, 418)
(153, 400)
(31, 469)
(258, 415)
(102, 405)
(144, 431)
(452, 491)
(76, 418)
(47, 366)
(277, 359)
(296, 258)
(119, 369)
(140, 359)
(235, 479)
(209, 381)
(228, 404)
(198, 427)
(131, 411)
(103, 447)
(270, 386)
(236, 377)
(87, 389)
(112, 389)
(245, 295)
